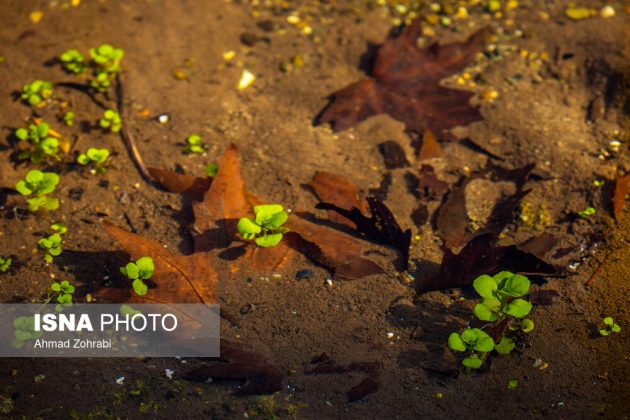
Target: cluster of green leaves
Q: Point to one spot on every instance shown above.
(610, 327)
(36, 92)
(96, 157)
(42, 146)
(73, 61)
(24, 330)
(266, 229)
(39, 184)
(52, 244)
(5, 264)
(68, 118)
(106, 61)
(194, 145)
(111, 121)
(474, 341)
(501, 301)
(587, 212)
(62, 293)
(138, 271)
(212, 169)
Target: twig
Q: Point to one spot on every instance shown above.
(125, 133)
(596, 273)
(83, 89)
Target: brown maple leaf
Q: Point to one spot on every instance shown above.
(405, 85)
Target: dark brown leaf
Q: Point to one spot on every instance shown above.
(236, 363)
(364, 388)
(429, 186)
(482, 255)
(179, 183)
(394, 155)
(405, 85)
(430, 147)
(622, 183)
(333, 188)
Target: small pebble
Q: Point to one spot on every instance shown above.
(246, 80)
(120, 380)
(169, 373)
(329, 281)
(163, 118)
(607, 11)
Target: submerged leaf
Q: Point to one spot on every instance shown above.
(405, 85)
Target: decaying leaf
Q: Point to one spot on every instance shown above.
(405, 85)
(622, 184)
(180, 183)
(381, 227)
(235, 363)
(482, 255)
(394, 156)
(333, 188)
(429, 186)
(430, 148)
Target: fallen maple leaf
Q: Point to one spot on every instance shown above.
(405, 85)
(333, 188)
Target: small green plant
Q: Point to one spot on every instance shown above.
(266, 229)
(587, 212)
(101, 82)
(502, 303)
(39, 184)
(473, 341)
(107, 58)
(194, 145)
(68, 118)
(139, 271)
(36, 92)
(52, 244)
(24, 330)
(212, 169)
(111, 121)
(73, 61)
(41, 145)
(97, 157)
(5, 264)
(512, 384)
(610, 327)
(62, 293)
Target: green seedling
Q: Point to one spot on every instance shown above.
(52, 244)
(24, 330)
(101, 82)
(194, 145)
(39, 184)
(587, 212)
(73, 61)
(610, 327)
(41, 145)
(139, 271)
(5, 264)
(473, 341)
(62, 293)
(266, 229)
(68, 118)
(35, 93)
(212, 169)
(111, 121)
(96, 157)
(512, 384)
(107, 58)
(502, 298)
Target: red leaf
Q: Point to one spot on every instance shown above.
(405, 85)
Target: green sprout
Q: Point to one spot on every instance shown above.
(73, 61)
(39, 184)
(512, 384)
(36, 92)
(107, 58)
(194, 145)
(24, 330)
(68, 118)
(5, 264)
(98, 157)
(101, 82)
(587, 212)
(41, 145)
(111, 121)
(141, 270)
(267, 228)
(502, 298)
(610, 327)
(475, 342)
(52, 243)
(212, 169)
(62, 293)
